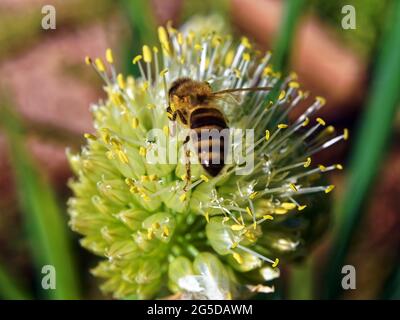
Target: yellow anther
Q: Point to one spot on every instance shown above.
(149, 234)
(275, 264)
(293, 187)
(155, 49)
(229, 58)
(267, 135)
(216, 41)
(307, 163)
(121, 81)
(137, 59)
(306, 122)
(237, 257)
(293, 75)
(282, 126)
(163, 35)
(253, 195)
(89, 136)
(155, 225)
(321, 100)
(294, 84)
(237, 227)
(135, 123)
(329, 188)
(165, 232)
(246, 56)
(88, 60)
(321, 121)
(322, 167)
(249, 211)
(288, 205)
(280, 211)
(190, 37)
(234, 245)
(179, 37)
(330, 129)
(150, 106)
(166, 130)
(250, 235)
(207, 216)
(267, 71)
(268, 217)
(254, 225)
(142, 151)
(198, 47)
(204, 178)
(163, 72)
(182, 197)
(145, 86)
(144, 178)
(245, 42)
(346, 134)
(122, 156)
(282, 95)
(109, 56)
(339, 166)
(147, 57)
(301, 208)
(237, 72)
(152, 177)
(99, 64)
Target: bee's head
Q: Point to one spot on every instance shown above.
(186, 90)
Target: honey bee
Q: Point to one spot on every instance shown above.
(195, 106)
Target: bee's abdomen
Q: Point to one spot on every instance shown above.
(210, 148)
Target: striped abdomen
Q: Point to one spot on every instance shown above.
(208, 123)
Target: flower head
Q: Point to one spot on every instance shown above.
(161, 232)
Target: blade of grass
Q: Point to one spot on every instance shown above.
(10, 288)
(368, 151)
(143, 30)
(280, 58)
(46, 227)
(301, 281)
(282, 48)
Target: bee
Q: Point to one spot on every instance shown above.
(195, 106)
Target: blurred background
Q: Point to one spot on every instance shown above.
(44, 81)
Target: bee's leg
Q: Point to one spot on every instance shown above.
(188, 174)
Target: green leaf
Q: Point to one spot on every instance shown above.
(369, 149)
(291, 14)
(45, 223)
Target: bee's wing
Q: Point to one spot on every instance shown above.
(234, 97)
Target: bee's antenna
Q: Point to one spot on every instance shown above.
(243, 89)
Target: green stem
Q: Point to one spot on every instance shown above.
(45, 223)
(143, 29)
(291, 14)
(301, 281)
